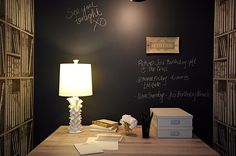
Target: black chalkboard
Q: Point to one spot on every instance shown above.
(111, 35)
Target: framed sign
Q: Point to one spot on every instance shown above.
(162, 45)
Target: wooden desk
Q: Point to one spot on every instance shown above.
(60, 143)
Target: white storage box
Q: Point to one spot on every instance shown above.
(172, 123)
(182, 132)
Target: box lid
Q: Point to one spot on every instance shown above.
(170, 113)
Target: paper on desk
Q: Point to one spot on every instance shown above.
(88, 148)
(105, 145)
(109, 137)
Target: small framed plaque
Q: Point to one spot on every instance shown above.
(162, 45)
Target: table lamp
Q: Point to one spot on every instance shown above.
(75, 81)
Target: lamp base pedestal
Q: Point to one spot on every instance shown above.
(75, 114)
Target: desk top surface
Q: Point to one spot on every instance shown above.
(61, 143)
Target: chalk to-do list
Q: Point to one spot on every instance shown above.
(155, 79)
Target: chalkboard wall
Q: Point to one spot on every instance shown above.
(111, 35)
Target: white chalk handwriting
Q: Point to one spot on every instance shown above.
(153, 75)
(179, 94)
(88, 13)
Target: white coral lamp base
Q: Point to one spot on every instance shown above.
(75, 114)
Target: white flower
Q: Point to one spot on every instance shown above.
(128, 119)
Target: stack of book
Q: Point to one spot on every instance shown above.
(104, 125)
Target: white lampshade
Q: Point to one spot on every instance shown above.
(75, 79)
